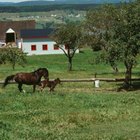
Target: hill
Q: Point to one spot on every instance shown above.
(54, 2)
(45, 8)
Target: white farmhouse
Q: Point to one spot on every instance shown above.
(36, 42)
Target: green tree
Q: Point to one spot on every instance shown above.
(118, 33)
(98, 28)
(3, 55)
(127, 36)
(70, 36)
(13, 55)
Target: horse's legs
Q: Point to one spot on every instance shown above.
(52, 88)
(20, 87)
(34, 86)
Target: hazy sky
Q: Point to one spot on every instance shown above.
(13, 0)
(20, 0)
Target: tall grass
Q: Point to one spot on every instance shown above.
(69, 115)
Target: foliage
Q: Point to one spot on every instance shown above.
(116, 30)
(3, 54)
(13, 55)
(68, 35)
(127, 34)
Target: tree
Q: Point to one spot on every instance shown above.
(118, 32)
(127, 35)
(68, 35)
(3, 55)
(13, 55)
(98, 26)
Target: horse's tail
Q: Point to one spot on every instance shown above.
(7, 79)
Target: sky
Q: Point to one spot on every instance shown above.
(13, 0)
(19, 0)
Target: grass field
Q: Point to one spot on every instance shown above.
(75, 111)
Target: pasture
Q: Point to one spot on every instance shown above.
(45, 19)
(74, 111)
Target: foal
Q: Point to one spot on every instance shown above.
(50, 84)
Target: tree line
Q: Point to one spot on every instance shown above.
(43, 8)
(112, 30)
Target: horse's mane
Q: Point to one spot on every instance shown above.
(39, 69)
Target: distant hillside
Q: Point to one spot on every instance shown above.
(6, 3)
(45, 8)
(43, 5)
(55, 2)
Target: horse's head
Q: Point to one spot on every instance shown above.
(42, 72)
(57, 80)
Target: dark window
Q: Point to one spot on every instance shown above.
(33, 47)
(45, 47)
(66, 46)
(10, 37)
(56, 47)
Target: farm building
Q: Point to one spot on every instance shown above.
(16, 26)
(10, 39)
(36, 42)
(32, 41)
(10, 36)
(2, 44)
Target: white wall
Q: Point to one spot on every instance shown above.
(26, 47)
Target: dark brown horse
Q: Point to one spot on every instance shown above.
(32, 78)
(50, 84)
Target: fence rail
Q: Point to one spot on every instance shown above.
(87, 80)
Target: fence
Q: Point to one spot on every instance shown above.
(87, 80)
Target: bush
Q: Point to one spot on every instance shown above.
(12, 55)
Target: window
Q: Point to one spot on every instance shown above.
(45, 47)
(56, 47)
(66, 46)
(33, 47)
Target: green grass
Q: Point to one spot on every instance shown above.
(57, 65)
(74, 111)
(70, 116)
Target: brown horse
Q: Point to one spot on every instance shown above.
(32, 78)
(50, 84)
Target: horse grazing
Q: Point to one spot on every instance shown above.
(50, 84)
(32, 78)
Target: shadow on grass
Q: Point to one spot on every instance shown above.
(134, 86)
(137, 74)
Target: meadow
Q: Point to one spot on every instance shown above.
(74, 111)
(45, 19)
